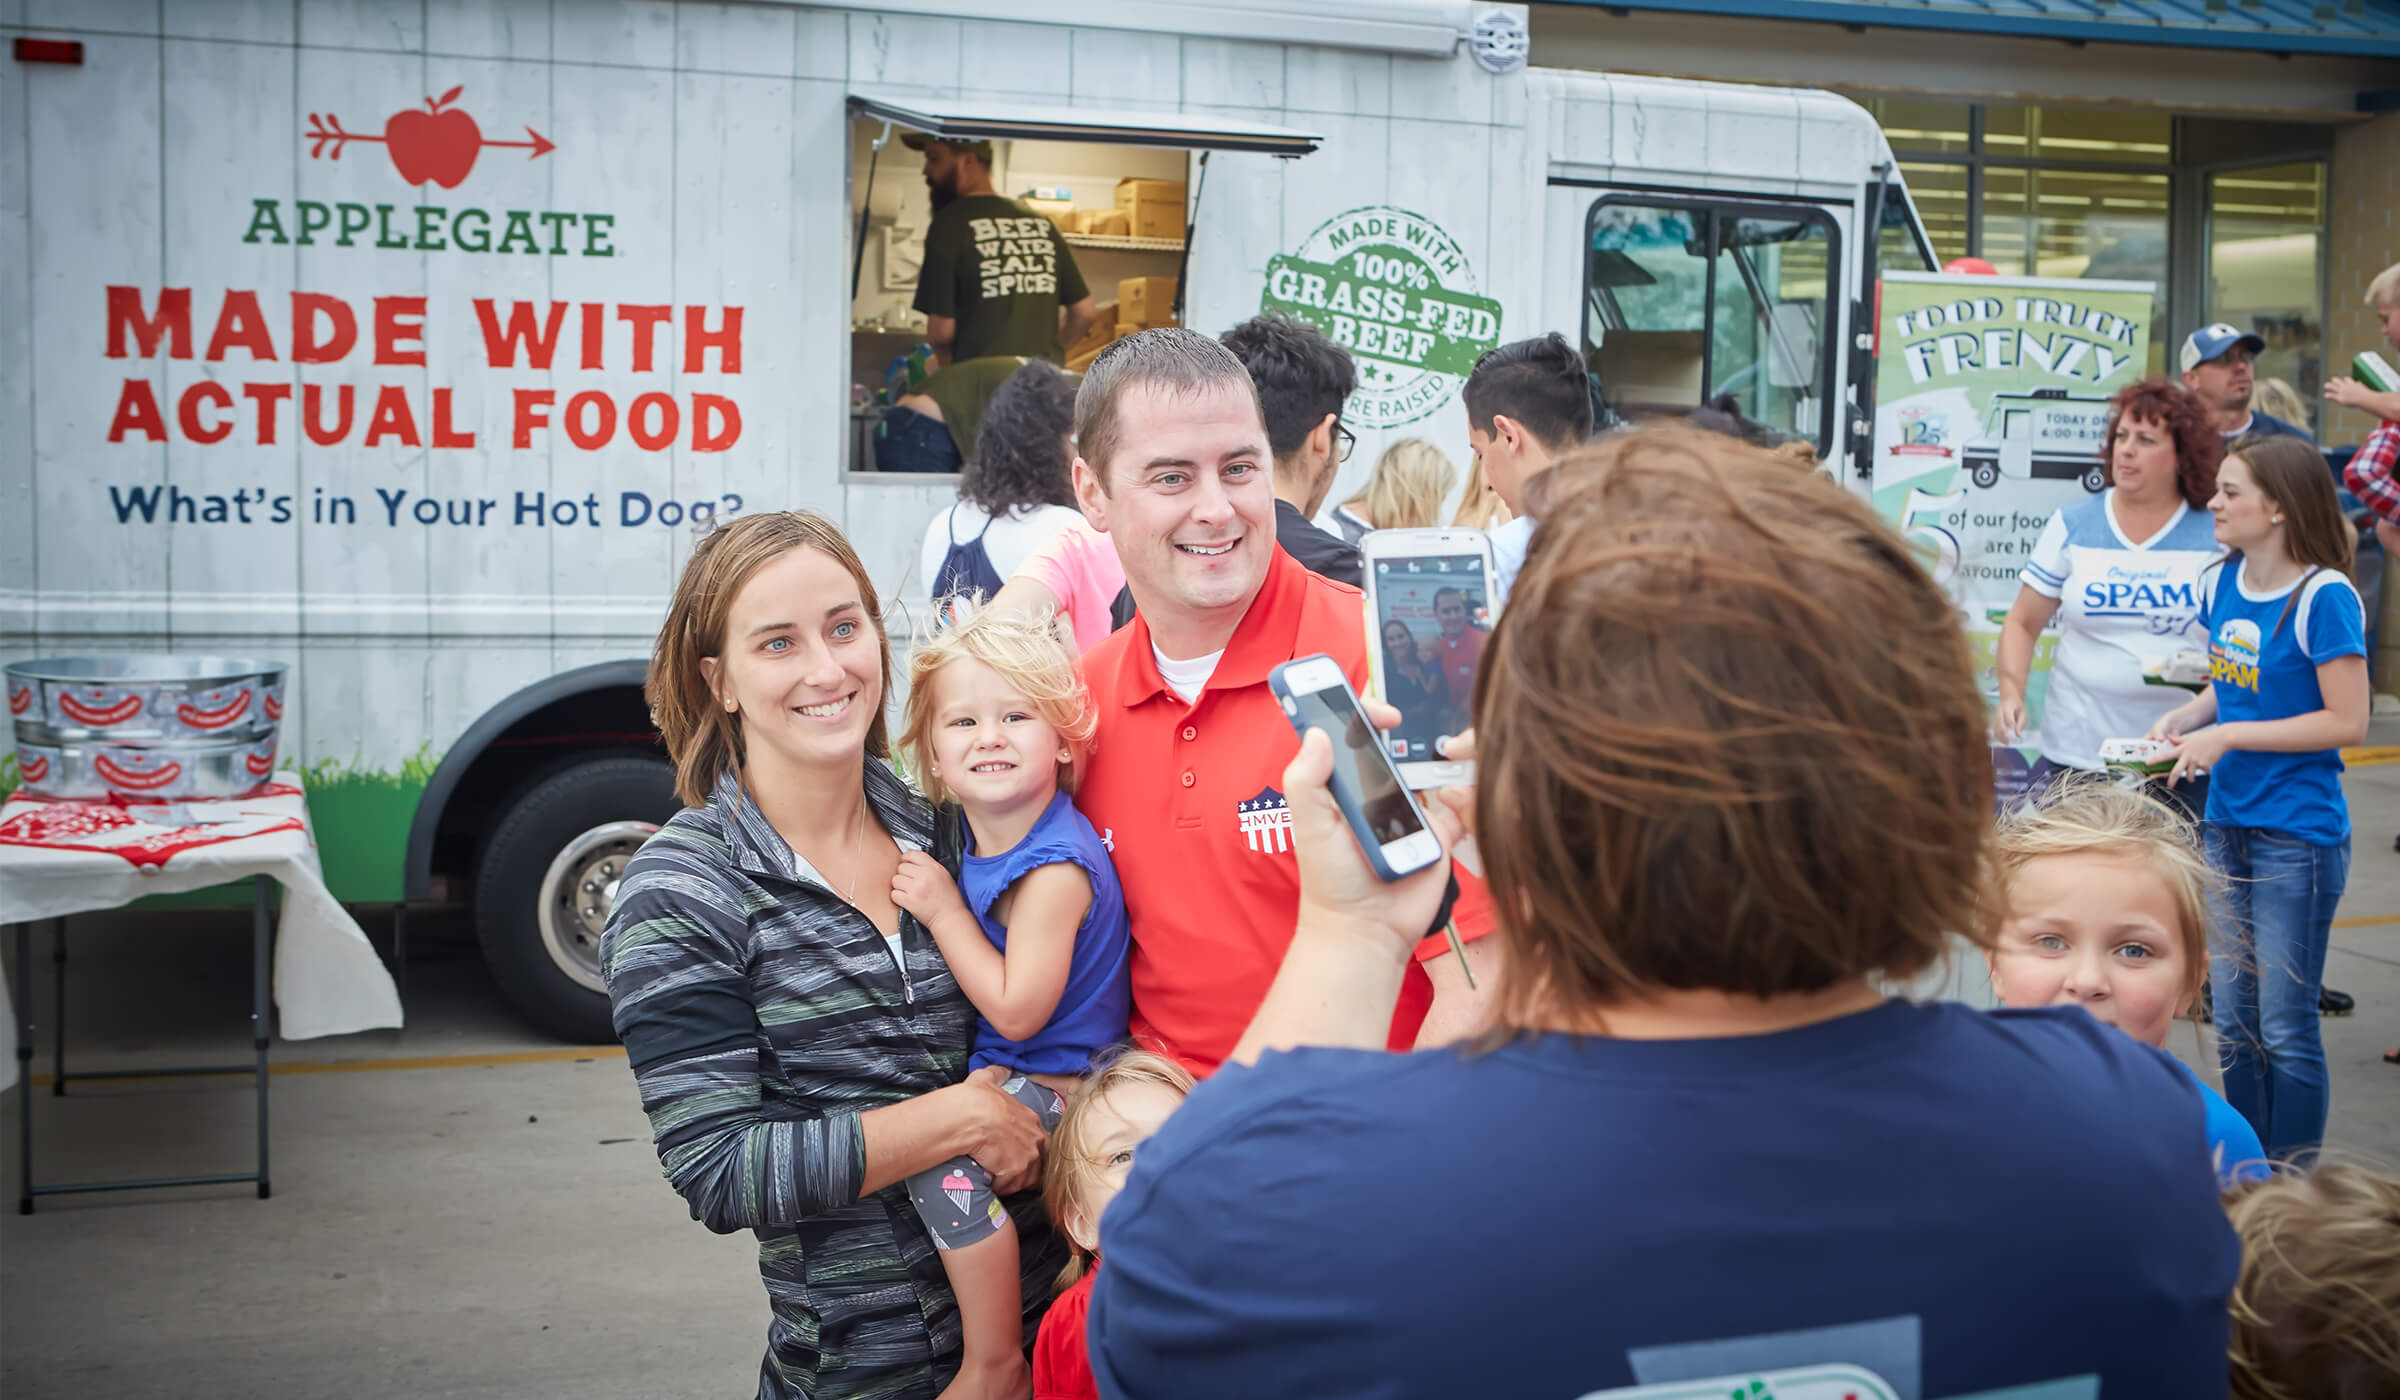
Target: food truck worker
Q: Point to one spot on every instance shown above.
(996, 275)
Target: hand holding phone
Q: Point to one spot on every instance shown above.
(1340, 885)
(1381, 813)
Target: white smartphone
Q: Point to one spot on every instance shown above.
(1389, 825)
(1428, 616)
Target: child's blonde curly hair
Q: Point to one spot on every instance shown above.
(1029, 657)
(2316, 1309)
(2087, 814)
(1067, 1167)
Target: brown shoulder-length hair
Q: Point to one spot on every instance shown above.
(2294, 476)
(2198, 446)
(700, 736)
(1728, 737)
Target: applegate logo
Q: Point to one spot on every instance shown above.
(439, 144)
(436, 146)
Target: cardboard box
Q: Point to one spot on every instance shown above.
(1098, 337)
(1057, 211)
(1146, 301)
(1109, 334)
(1153, 208)
(1103, 223)
(1650, 370)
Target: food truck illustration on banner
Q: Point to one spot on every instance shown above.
(414, 349)
(2045, 433)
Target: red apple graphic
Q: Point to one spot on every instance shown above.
(434, 144)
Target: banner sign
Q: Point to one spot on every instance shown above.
(1991, 401)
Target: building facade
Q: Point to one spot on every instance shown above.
(2244, 155)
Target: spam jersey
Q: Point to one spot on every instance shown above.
(2262, 661)
(2121, 602)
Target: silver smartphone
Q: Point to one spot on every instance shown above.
(1428, 616)
(1389, 825)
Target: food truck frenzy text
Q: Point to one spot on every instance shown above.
(322, 329)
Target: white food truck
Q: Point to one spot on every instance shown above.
(408, 342)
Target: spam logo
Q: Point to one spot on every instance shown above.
(2233, 656)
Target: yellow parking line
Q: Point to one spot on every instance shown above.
(515, 1057)
(2372, 756)
(2367, 921)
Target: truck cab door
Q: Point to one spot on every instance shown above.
(2016, 443)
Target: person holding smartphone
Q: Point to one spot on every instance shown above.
(1696, 1081)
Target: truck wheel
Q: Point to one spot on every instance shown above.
(2095, 480)
(547, 877)
(1987, 476)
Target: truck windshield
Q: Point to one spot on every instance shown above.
(1687, 301)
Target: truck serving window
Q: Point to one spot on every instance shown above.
(1104, 200)
(1686, 300)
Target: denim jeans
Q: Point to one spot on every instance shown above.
(2266, 967)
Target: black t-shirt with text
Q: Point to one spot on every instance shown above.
(1002, 272)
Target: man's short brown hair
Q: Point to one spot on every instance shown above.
(1172, 359)
(1728, 737)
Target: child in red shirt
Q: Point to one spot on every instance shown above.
(1111, 1113)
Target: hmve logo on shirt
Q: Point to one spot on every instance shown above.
(2233, 657)
(1266, 822)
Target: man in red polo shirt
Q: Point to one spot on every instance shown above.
(1184, 783)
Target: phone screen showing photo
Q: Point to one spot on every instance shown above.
(1382, 801)
(1432, 618)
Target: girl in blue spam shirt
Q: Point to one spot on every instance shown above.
(1034, 929)
(2107, 909)
(2288, 673)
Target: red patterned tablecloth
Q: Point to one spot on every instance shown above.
(59, 858)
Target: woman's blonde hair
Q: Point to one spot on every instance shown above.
(1067, 1167)
(2278, 399)
(1481, 507)
(1406, 490)
(1728, 737)
(2088, 814)
(2316, 1307)
(1029, 658)
(701, 736)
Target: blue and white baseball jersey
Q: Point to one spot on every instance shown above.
(2120, 602)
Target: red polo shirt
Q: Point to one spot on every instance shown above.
(1190, 801)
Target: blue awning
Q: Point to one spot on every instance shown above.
(2354, 28)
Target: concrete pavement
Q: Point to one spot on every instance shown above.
(466, 1209)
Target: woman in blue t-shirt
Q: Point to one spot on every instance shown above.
(2288, 673)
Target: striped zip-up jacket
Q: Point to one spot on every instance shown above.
(763, 1014)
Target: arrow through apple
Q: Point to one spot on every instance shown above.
(438, 145)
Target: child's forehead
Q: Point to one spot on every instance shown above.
(1136, 1108)
(965, 675)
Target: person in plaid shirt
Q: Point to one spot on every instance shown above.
(2370, 473)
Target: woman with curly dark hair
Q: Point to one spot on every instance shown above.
(1014, 494)
(2120, 572)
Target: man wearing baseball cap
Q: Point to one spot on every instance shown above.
(2216, 364)
(997, 278)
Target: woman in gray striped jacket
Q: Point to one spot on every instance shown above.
(799, 1044)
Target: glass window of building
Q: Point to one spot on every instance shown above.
(2089, 192)
(2266, 271)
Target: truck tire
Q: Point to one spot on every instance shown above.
(2095, 480)
(1987, 475)
(547, 876)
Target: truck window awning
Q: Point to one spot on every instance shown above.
(966, 120)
